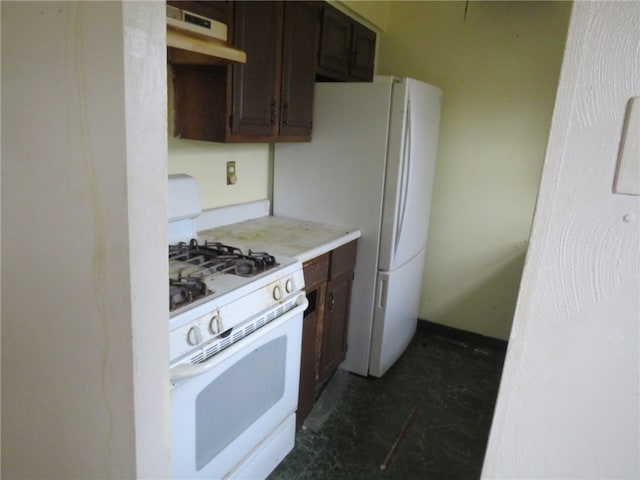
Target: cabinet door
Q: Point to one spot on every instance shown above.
(363, 51)
(298, 68)
(315, 279)
(334, 337)
(257, 29)
(306, 388)
(335, 40)
(347, 48)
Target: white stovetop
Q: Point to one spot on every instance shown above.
(282, 236)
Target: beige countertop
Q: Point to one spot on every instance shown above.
(282, 236)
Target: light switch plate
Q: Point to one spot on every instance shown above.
(627, 179)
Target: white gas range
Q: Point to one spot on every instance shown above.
(235, 338)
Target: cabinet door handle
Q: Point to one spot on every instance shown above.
(285, 114)
(273, 112)
(332, 301)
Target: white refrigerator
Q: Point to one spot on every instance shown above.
(370, 165)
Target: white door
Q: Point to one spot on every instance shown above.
(395, 314)
(415, 122)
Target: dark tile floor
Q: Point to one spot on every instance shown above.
(448, 382)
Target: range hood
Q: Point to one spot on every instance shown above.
(194, 39)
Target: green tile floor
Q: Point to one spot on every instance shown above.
(449, 383)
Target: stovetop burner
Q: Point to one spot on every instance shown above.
(191, 262)
(184, 291)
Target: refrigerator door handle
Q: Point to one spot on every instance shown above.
(404, 180)
(382, 294)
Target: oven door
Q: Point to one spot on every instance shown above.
(238, 416)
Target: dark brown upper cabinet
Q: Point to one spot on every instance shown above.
(346, 48)
(301, 29)
(257, 29)
(267, 99)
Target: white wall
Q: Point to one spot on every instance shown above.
(145, 91)
(568, 405)
(85, 392)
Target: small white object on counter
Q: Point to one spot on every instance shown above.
(282, 236)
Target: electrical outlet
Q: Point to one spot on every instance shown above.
(231, 173)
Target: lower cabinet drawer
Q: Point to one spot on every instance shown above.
(343, 259)
(316, 271)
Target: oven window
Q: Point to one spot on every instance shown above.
(238, 397)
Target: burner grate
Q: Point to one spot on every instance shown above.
(214, 257)
(191, 262)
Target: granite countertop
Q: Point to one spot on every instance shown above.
(282, 236)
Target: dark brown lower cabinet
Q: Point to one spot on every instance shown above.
(307, 368)
(328, 280)
(334, 334)
(315, 279)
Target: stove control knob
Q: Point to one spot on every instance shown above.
(214, 325)
(277, 293)
(193, 336)
(289, 285)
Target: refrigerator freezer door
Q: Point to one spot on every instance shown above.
(396, 313)
(413, 140)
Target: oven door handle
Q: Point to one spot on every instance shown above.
(187, 370)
